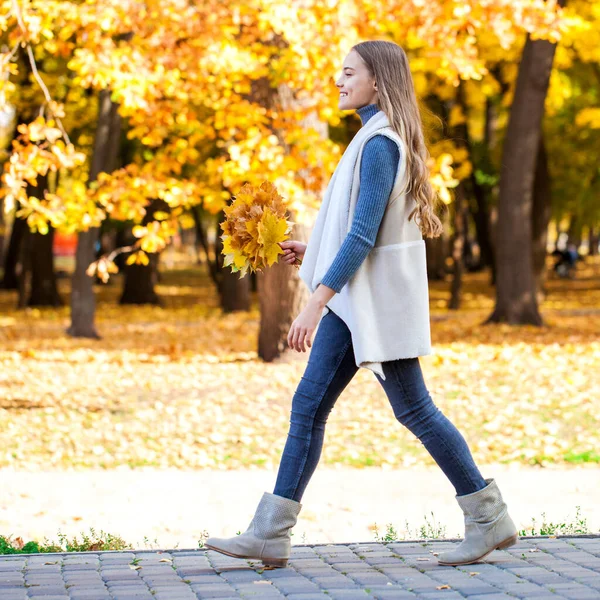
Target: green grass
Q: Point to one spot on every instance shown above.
(577, 526)
(590, 456)
(431, 530)
(93, 542)
(428, 530)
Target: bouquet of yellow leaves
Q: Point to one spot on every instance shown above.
(256, 222)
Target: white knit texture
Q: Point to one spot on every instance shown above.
(386, 303)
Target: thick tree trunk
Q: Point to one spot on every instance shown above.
(104, 158)
(83, 300)
(123, 237)
(540, 218)
(10, 279)
(280, 290)
(44, 291)
(36, 275)
(436, 251)
(281, 298)
(235, 292)
(516, 299)
(140, 281)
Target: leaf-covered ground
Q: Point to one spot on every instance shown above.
(182, 385)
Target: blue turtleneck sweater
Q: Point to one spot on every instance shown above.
(378, 169)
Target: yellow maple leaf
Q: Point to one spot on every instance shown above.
(271, 230)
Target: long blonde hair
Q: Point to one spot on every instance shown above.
(388, 64)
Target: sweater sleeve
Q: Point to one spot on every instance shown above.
(377, 174)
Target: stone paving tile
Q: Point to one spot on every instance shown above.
(533, 569)
(345, 594)
(132, 590)
(303, 587)
(441, 595)
(50, 597)
(318, 596)
(369, 578)
(174, 596)
(492, 597)
(206, 578)
(389, 592)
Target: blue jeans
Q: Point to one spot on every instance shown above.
(330, 368)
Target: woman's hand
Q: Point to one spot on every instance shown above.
(304, 326)
(293, 252)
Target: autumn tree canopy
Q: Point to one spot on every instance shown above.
(192, 79)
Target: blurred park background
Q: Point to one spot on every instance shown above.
(127, 127)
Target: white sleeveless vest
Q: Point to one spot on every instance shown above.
(386, 303)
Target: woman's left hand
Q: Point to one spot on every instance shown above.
(303, 327)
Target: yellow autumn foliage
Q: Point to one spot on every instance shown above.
(216, 94)
(256, 222)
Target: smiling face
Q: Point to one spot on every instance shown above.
(356, 85)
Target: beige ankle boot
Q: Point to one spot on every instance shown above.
(487, 526)
(268, 535)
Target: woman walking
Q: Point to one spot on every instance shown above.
(365, 266)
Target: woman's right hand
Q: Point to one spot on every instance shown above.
(293, 252)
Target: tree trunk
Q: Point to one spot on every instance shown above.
(2, 231)
(593, 240)
(24, 269)
(281, 298)
(202, 241)
(234, 291)
(575, 231)
(540, 217)
(139, 280)
(481, 217)
(460, 134)
(10, 279)
(436, 257)
(491, 124)
(36, 275)
(516, 299)
(280, 290)
(458, 245)
(104, 158)
(44, 291)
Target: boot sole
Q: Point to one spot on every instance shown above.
(511, 541)
(268, 562)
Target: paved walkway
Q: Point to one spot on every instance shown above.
(539, 568)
